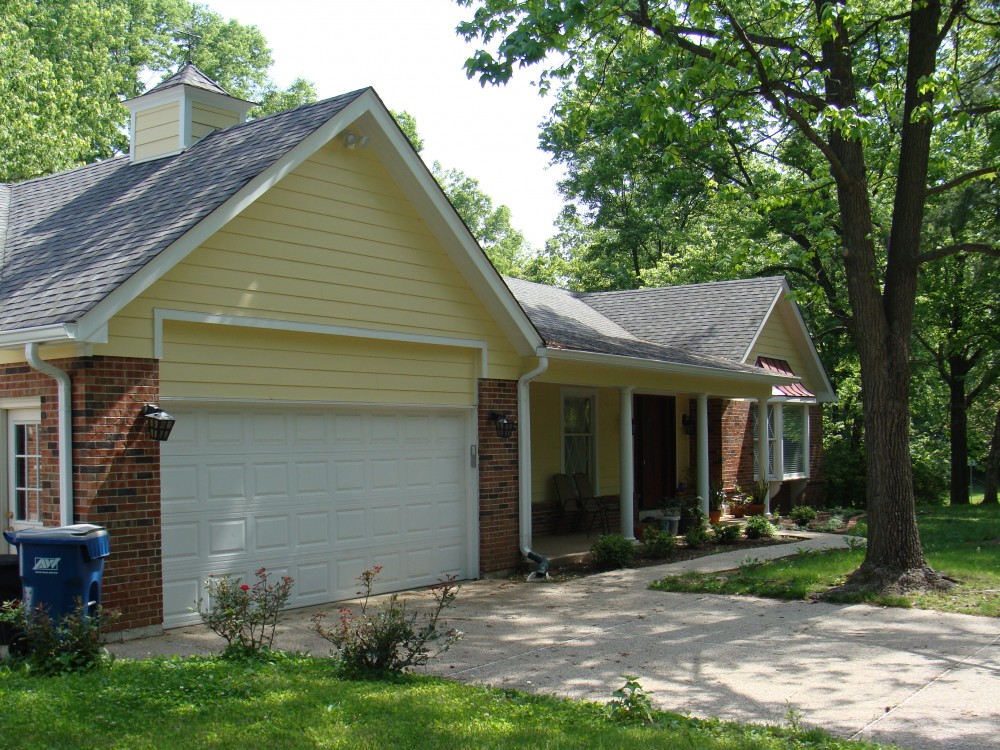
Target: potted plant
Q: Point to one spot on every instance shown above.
(758, 497)
(716, 497)
(738, 505)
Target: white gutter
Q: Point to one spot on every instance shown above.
(524, 465)
(618, 360)
(65, 409)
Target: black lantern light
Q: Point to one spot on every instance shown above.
(158, 422)
(505, 427)
(689, 424)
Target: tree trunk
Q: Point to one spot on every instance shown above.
(993, 466)
(959, 432)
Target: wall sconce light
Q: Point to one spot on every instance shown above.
(689, 424)
(505, 427)
(158, 422)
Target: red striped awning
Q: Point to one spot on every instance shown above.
(781, 367)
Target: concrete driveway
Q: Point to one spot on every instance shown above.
(919, 679)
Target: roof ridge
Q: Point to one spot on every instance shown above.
(648, 289)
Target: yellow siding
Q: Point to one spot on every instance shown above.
(205, 119)
(776, 341)
(334, 243)
(157, 131)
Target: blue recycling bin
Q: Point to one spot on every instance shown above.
(61, 566)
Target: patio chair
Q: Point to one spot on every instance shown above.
(601, 505)
(586, 510)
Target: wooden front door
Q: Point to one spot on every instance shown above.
(655, 450)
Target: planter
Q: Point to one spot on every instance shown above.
(714, 516)
(755, 509)
(739, 512)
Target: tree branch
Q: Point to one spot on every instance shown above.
(961, 247)
(945, 186)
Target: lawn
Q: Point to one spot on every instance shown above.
(961, 541)
(299, 702)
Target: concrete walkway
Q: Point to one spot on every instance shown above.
(919, 679)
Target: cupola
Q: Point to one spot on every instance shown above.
(179, 112)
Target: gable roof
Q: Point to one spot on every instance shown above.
(74, 237)
(719, 318)
(568, 320)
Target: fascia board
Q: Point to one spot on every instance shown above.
(51, 334)
(155, 99)
(417, 182)
(652, 365)
(136, 284)
(212, 99)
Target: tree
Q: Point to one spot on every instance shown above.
(830, 94)
(66, 67)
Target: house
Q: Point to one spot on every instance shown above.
(299, 295)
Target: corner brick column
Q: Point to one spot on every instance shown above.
(117, 479)
(498, 479)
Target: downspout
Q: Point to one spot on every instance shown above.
(524, 468)
(65, 410)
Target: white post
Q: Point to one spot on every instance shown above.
(763, 448)
(626, 461)
(702, 451)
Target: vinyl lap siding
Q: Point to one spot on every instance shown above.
(334, 243)
(157, 131)
(205, 119)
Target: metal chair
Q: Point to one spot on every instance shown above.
(587, 509)
(598, 505)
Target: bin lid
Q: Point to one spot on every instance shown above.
(91, 536)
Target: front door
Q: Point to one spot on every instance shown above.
(655, 450)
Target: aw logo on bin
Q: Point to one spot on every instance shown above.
(46, 564)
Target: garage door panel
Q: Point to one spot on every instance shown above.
(324, 495)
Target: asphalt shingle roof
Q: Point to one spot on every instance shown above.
(718, 318)
(567, 320)
(191, 75)
(73, 237)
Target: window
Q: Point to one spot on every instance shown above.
(771, 439)
(795, 440)
(578, 434)
(24, 460)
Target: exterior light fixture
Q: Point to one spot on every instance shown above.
(158, 422)
(688, 424)
(350, 139)
(505, 427)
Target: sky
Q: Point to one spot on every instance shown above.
(409, 52)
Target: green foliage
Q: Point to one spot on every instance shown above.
(389, 639)
(245, 615)
(630, 703)
(758, 527)
(802, 515)
(697, 536)
(659, 544)
(612, 551)
(716, 497)
(65, 68)
(408, 124)
(50, 646)
(760, 491)
(726, 533)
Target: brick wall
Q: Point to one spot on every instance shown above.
(814, 493)
(116, 479)
(498, 479)
(737, 445)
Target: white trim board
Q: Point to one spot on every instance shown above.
(186, 316)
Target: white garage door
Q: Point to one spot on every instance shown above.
(317, 494)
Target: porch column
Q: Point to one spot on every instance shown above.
(763, 453)
(702, 450)
(627, 463)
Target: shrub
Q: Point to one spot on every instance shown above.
(758, 527)
(72, 642)
(390, 639)
(658, 543)
(697, 533)
(802, 515)
(612, 551)
(726, 533)
(630, 703)
(245, 616)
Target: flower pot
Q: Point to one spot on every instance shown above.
(714, 516)
(755, 509)
(739, 511)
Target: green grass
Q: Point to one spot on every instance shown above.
(298, 702)
(962, 542)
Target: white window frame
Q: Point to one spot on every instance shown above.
(591, 394)
(12, 414)
(776, 440)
